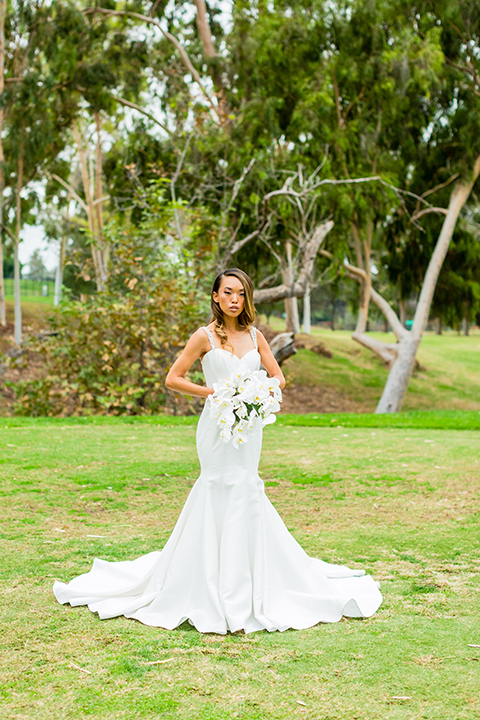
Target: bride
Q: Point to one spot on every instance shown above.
(230, 563)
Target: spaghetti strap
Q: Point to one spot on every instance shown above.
(210, 337)
(253, 333)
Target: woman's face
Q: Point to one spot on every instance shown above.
(230, 296)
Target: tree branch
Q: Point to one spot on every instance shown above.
(204, 29)
(297, 288)
(386, 352)
(129, 104)
(183, 54)
(70, 189)
(392, 317)
(425, 211)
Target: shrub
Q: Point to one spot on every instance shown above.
(110, 352)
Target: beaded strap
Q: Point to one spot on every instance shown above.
(209, 337)
(253, 333)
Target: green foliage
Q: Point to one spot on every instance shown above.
(110, 352)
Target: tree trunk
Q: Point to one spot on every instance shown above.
(16, 266)
(465, 326)
(103, 248)
(3, 10)
(403, 312)
(88, 187)
(292, 323)
(401, 369)
(291, 304)
(399, 377)
(307, 326)
(363, 251)
(297, 289)
(439, 326)
(59, 272)
(204, 29)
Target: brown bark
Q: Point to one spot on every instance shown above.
(363, 251)
(204, 29)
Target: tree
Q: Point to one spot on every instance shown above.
(37, 269)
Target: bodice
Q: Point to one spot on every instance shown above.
(218, 364)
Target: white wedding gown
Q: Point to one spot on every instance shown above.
(230, 562)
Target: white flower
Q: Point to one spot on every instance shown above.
(226, 433)
(241, 401)
(239, 433)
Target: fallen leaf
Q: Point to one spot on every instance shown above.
(401, 697)
(300, 702)
(473, 645)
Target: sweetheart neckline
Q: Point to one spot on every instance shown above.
(229, 353)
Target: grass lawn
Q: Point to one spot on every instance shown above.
(401, 502)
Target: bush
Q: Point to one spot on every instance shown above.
(110, 353)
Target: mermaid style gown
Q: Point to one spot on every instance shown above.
(230, 562)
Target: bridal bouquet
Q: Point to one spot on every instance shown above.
(242, 400)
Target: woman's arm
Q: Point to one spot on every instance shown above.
(175, 380)
(268, 359)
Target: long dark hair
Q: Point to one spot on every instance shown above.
(246, 317)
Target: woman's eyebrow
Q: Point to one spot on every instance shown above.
(229, 288)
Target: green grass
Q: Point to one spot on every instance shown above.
(31, 291)
(401, 502)
(450, 380)
(439, 420)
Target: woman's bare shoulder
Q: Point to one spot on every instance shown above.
(261, 336)
(198, 338)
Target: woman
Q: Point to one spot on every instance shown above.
(230, 563)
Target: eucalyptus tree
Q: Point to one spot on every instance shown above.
(31, 122)
(451, 149)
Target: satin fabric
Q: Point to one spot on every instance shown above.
(230, 563)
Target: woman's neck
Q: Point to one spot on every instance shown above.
(231, 325)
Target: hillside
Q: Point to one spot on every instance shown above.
(352, 380)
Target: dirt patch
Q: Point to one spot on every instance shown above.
(310, 398)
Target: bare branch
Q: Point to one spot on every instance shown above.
(425, 211)
(442, 185)
(385, 352)
(392, 317)
(71, 190)
(297, 288)
(129, 104)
